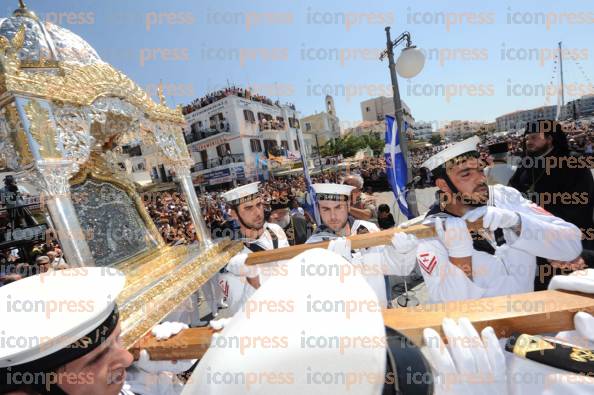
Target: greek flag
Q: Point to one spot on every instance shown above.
(396, 165)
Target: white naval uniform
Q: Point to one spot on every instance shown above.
(512, 268)
(373, 260)
(233, 283)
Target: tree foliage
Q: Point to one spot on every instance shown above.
(435, 139)
(349, 145)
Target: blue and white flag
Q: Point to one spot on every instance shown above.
(396, 165)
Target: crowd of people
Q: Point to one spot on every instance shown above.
(223, 93)
(16, 263)
(580, 138)
(515, 267)
(171, 215)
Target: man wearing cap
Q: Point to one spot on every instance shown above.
(333, 201)
(501, 170)
(240, 280)
(295, 226)
(500, 259)
(557, 182)
(61, 334)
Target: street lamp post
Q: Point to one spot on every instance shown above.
(409, 64)
(319, 154)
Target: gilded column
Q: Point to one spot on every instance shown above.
(52, 179)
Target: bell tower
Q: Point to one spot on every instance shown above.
(330, 105)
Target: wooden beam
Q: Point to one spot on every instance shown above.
(531, 313)
(365, 240)
(188, 344)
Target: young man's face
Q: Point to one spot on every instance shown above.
(101, 372)
(334, 214)
(252, 214)
(469, 178)
(538, 143)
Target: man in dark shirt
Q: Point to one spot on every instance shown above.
(558, 183)
(295, 226)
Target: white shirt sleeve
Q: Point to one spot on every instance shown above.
(542, 233)
(445, 282)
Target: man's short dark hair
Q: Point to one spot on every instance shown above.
(383, 208)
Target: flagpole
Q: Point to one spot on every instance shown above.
(411, 195)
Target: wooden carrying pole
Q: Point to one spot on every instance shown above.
(365, 240)
(530, 313)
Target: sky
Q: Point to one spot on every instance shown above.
(483, 59)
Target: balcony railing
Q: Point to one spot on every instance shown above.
(215, 162)
(197, 135)
(271, 125)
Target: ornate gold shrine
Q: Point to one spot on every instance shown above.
(62, 112)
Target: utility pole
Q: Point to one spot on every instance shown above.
(411, 196)
(561, 70)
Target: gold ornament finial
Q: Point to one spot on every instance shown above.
(24, 11)
(160, 93)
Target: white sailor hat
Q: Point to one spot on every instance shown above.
(461, 148)
(321, 310)
(242, 194)
(339, 192)
(56, 317)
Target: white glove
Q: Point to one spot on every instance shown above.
(468, 365)
(342, 247)
(165, 330)
(493, 217)
(579, 281)
(144, 363)
(219, 324)
(401, 255)
(584, 325)
(404, 243)
(237, 266)
(455, 236)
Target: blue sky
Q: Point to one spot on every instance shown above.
(491, 58)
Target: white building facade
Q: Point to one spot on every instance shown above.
(377, 108)
(518, 119)
(231, 139)
(423, 130)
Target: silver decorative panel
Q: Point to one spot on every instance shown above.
(115, 231)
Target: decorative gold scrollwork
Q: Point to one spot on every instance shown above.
(42, 130)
